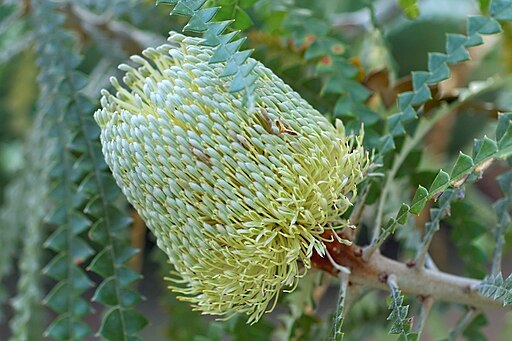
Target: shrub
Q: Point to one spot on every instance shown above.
(275, 150)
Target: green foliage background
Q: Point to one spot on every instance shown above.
(72, 250)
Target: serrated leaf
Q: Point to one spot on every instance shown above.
(89, 128)
(483, 25)
(504, 122)
(78, 79)
(437, 67)
(58, 298)
(497, 288)
(62, 300)
(212, 37)
(80, 307)
(505, 140)
(89, 185)
(57, 240)
(405, 100)
(501, 9)
(99, 230)
(79, 280)
(419, 200)
(395, 125)
(118, 320)
(187, 8)
(463, 166)
(419, 79)
(57, 216)
(198, 21)
(402, 214)
(505, 183)
(78, 223)
(57, 268)
(409, 114)
(102, 184)
(109, 293)
(386, 144)
(242, 20)
(456, 48)
(127, 276)
(391, 224)
(224, 52)
(77, 174)
(113, 220)
(241, 82)
(440, 182)
(124, 252)
(486, 149)
(400, 324)
(421, 95)
(102, 263)
(79, 250)
(357, 92)
(60, 329)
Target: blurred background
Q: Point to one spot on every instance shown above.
(385, 48)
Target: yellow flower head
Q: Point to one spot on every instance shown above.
(238, 200)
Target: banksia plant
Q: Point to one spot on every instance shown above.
(239, 200)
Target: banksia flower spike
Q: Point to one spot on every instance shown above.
(237, 200)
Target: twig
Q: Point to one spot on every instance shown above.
(409, 145)
(462, 324)
(423, 128)
(131, 39)
(373, 273)
(99, 78)
(423, 250)
(341, 269)
(354, 292)
(16, 47)
(340, 307)
(426, 307)
(377, 239)
(429, 263)
(433, 226)
(503, 223)
(498, 249)
(9, 21)
(438, 285)
(356, 213)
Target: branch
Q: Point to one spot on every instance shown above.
(131, 39)
(433, 225)
(340, 307)
(373, 273)
(410, 143)
(426, 307)
(463, 323)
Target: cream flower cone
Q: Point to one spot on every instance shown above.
(238, 200)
